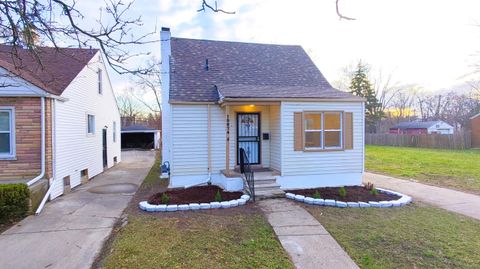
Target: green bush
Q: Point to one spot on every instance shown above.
(14, 201)
(342, 192)
(165, 199)
(374, 192)
(316, 195)
(218, 196)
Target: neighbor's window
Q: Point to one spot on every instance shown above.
(90, 124)
(114, 132)
(7, 132)
(323, 130)
(99, 73)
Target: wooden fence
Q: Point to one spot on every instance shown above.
(459, 140)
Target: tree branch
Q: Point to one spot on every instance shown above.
(340, 14)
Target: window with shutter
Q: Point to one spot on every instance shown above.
(323, 130)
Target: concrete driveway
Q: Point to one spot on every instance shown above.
(71, 230)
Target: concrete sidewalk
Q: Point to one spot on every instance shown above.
(456, 201)
(303, 237)
(71, 230)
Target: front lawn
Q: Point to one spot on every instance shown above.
(458, 169)
(199, 240)
(415, 236)
(221, 238)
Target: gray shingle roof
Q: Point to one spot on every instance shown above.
(55, 71)
(415, 124)
(244, 70)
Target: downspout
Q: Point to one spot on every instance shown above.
(54, 168)
(42, 172)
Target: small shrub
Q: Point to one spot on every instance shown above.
(14, 201)
(316, 195)
(369, 186)
(342, 192)
(165, 199)
(218, 196)
(374, 192)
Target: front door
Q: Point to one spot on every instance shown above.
(104, 143)
(248, 136)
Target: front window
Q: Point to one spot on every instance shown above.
(90, 124)
(323, 130)
(7, 133)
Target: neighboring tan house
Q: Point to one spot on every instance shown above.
(475, 126)
(59, 121)
(270, 100)
(422, 127)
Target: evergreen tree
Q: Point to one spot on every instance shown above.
(361, 86)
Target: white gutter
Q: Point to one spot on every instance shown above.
(42, 172)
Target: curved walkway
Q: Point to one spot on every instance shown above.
(71, 230)
(460, 202)
(303, 237)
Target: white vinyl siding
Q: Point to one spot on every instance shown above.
(76, 151)
(190, 139)
(328, 162)
(275, 139)
(7, 132)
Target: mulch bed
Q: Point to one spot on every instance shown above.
(202, 194)
(354, 194)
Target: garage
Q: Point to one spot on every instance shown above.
(140, 137)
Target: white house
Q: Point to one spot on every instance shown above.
(270, 100)
(422, 127)
(59, 116)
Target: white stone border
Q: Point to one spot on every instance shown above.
(404, 200)
(144, 205)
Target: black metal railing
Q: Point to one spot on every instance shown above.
(247, 171)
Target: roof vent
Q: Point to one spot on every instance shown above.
(206, 65)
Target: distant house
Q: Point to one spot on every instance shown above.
(422, 127)
(475, 126)
(59, 121)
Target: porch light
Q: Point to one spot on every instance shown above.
(251, 105)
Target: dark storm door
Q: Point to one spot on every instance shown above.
(104, 143)
(248, 136)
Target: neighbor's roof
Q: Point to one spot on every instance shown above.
(137, 127)
(244, 70)
(417, 124)
(53, 72)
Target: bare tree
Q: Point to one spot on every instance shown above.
(150, 83)
(127, 105)
(29, 23)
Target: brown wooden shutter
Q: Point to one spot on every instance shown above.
(348, 130)
(298, 131)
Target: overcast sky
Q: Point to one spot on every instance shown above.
(430, 43)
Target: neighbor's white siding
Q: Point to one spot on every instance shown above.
(190, 139)
(75, 150)
(275, 139)
(298, 163)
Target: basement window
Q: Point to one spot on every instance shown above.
(7, 133)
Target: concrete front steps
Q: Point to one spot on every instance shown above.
(266, 186)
